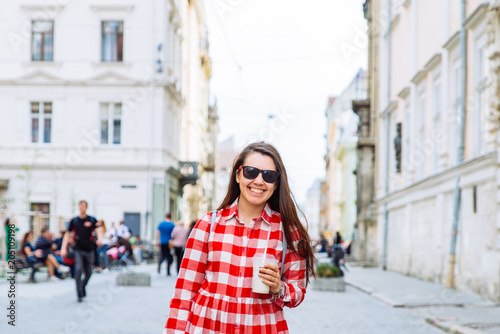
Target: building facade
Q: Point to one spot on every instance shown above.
(226, 153)
(341, 159)
(365, 249)
(312, 209)
(199, 120)
(438, 103)
(91, 96)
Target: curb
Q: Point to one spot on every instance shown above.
(372, 292)
(451, 327)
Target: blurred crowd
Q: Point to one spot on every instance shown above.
(337, 252)
(118, 249)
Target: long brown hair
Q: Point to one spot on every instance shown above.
(282, 201)
(103, 226)
(25, 240)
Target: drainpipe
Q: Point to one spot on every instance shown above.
(387, 130)
(450, 279)
(149, 187)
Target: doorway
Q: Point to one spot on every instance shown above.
(133, 221)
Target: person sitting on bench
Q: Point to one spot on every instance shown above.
(44, 244)
(32, 256)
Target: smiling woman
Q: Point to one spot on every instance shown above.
(257, 217)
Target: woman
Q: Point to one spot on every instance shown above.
(31, 255)
(102, 257)
(178, 240)
(213, 292)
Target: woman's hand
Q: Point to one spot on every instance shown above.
(271, 276)
(38, 253)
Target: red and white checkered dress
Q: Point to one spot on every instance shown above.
(213, 292)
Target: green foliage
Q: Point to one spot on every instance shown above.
(327, 270)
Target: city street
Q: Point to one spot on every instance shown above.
(51, 308)
(367, 131)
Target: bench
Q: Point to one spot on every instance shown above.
(21, 262)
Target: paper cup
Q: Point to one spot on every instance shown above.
(258, 261)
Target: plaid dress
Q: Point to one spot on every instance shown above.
(213, 292)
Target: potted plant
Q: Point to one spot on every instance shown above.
(330, 278)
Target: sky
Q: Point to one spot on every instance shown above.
(274, 64)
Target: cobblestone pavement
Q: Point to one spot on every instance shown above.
(51, 308)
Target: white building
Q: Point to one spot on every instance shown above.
(199, 121)
(312, 209)
(91, 109)
(341, 159)
(438, 142)
(226, 154)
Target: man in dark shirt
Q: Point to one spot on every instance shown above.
(44, 243)
(82, 228)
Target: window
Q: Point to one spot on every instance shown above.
(407, 135)
(41, 122)
(42, 40)
(481, 97)
(111, 123)
(420, 163)
(438, 131)
(455, 115)
(40, 217)
(112, 41)
(392, 152)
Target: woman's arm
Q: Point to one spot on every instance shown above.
(191, 276)
(294, 280)
(27, 251)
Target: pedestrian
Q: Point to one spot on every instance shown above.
(137, 247)
(213, 293)
(179, 238)
(337, 241)
(82, 227)
(323, 243)
(56, 251)
(338, 253)
(123, 231)
(163, 236)
(102, 258)
(128, 252)
(113, 232)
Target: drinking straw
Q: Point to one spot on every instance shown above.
(267, 243)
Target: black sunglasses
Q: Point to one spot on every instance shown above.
(250, 173)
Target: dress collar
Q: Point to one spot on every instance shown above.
(266, 214)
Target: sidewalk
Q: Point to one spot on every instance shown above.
(449, 310)
(52, 307)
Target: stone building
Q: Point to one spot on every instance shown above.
(199, 120)
(92, 105)
(341, 159)
(312, 209)
(438, 107)
(364, 249)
